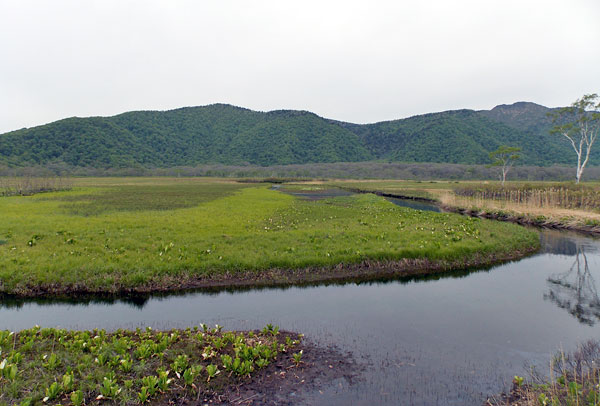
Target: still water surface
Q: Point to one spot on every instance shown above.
(445, 340)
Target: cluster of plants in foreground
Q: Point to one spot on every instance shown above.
(55, 366)
(574, 380)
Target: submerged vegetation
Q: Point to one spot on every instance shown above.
(123, 235)
(56, 366)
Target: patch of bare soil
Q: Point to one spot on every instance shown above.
(283, 382)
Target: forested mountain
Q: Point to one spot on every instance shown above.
(227, 134)
(467, 136)
(525, 116)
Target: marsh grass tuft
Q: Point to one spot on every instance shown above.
(574, 379)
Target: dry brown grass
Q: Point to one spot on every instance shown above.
(528, 208)
(29, 185)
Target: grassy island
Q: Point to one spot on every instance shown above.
(140, 234)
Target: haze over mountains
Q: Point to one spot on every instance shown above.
(226, 134)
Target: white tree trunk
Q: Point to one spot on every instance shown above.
(505, 168)
(583, 143)
(582, 128)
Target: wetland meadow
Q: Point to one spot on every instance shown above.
(399, 303)
(124, 235)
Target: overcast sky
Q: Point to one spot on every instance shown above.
(355, 61)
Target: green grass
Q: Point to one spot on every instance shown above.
(54, 366)
(136, 198)
(109, 238)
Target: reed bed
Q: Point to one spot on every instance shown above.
(565, 196)
(30, 185)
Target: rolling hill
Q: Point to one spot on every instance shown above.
(226, 134)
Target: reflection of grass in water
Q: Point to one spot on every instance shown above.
(224, 228)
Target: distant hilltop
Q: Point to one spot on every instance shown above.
(225, 134)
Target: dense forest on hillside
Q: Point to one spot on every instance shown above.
(461, 136)
(337, 170)
(229, 135)
(188, 136)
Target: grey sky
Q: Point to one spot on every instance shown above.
(355, 61)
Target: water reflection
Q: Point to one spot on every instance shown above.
(556, 242)
(575, 290)
(135, 301)
(140, 300)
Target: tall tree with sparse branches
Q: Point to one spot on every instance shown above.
(504, 157)
(580, 124)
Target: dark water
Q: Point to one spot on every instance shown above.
(413, 204)
(315, 194)
(450, 340)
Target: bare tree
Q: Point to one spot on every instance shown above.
(580, 124)
(504, 157)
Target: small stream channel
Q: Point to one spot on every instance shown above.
(449, 339)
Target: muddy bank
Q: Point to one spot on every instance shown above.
(363, 271)
(282, 382)
(517, 396)
(525, 220)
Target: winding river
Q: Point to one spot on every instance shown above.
(448, 339)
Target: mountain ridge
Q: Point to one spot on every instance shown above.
(225, 134)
